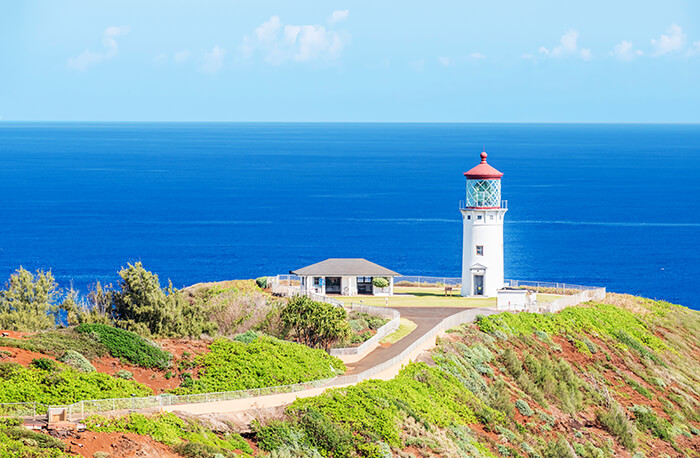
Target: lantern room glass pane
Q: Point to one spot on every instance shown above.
(484, 193)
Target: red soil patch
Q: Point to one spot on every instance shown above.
(126, 445)
(17, 355)
(152, 378)
(13, 334)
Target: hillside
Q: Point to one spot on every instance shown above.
(616, 378)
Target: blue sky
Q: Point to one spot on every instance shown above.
(439, 61)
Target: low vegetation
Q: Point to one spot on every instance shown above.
(257, 361)
(187, 437)
(17, 441)
(313, 323)
(127, 345)
(48, 382)
(565, 385)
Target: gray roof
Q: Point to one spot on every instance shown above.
(345, 266)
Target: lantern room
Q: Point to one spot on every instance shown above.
(483, 186)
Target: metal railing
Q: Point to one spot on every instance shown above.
(422, 280)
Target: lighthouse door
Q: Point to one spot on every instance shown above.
(478, 285)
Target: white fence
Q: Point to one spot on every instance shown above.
(394, 320)
(423, 280)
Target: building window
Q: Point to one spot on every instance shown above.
(364, 279)
(317, 281)
(469, 216)
(479, 217)
(480, 250)
(491, 217)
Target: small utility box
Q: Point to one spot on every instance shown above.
(516, 299)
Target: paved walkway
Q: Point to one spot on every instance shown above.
(425, 318)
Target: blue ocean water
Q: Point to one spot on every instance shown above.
(611, 205)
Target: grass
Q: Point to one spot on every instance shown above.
(405, 328)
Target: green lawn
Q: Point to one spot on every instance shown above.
(416, 296)
(405, 328)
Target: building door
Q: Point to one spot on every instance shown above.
(332, 285)
(364, 285)
(478, 285)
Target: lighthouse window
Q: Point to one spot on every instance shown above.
(480, 250)
(479, 217)
(469, 216)
(491, 217)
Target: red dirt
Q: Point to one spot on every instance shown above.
(13, 334)
(23, 357)
(126, 445)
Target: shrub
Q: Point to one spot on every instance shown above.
(380, 282)
(616, 423)
(316, 324)
(128, 345)
(247, 337)
(261, 282)
(45, 364)
(41, 440)
(124, 374)
(499, 397)
(646, 418)
(524, 408)
(171, 430)
(77, 361)
(63, 386)
(195, 450)
(266, 361)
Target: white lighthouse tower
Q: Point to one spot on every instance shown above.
(482, 245)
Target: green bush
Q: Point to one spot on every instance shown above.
(380, 282)
(248, 336)
(646, 419)
(266, 361)
(124, 374)
(316, 324)
(128, 345)
(42, 440)
(261, 282)
(524, 408)
(45, 364)
(77, 361)
(62, 386)
(616, 423)
(171, 430)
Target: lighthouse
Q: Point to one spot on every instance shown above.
(482, 243)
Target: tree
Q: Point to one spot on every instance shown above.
(316, 324)
(96, 307)
(142, 306)
(29, 301)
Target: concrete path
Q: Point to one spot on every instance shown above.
(425, 318)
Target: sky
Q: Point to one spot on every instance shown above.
(354, 61)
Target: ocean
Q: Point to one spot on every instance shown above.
(614, 205)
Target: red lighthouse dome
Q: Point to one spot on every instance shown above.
(483, 171)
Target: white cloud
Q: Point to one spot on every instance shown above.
(625, 51)
(213, 60)
(674, 41)
(568, 46)
(279, 43)
(477, 55)
(88, 58)
(181, 57)
(338, 15)
(444, 61)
